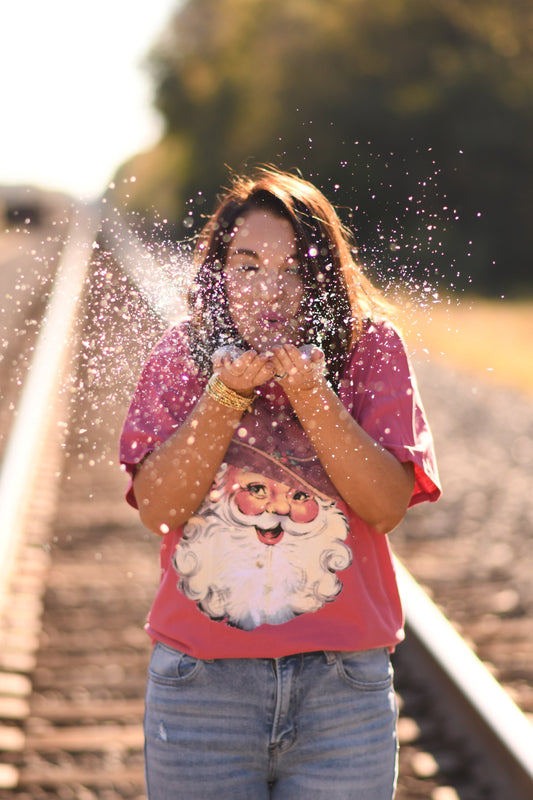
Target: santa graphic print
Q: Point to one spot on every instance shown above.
(260, 550)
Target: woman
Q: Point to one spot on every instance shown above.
(274, 439)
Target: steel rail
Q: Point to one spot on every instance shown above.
(20, 462)
(477, 708)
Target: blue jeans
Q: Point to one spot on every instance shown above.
(314, 726)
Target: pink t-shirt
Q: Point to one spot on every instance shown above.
(274, 562)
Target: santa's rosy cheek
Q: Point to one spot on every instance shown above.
(304, 512)
(248, 504)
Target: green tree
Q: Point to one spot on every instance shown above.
(378, 101)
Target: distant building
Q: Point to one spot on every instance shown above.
(24, 206)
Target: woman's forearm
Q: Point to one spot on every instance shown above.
(172, 481)
(371, 480)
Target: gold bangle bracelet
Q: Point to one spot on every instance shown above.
(217, 389)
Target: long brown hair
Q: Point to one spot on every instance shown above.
(338, 297)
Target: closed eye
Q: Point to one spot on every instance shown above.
(293, 265)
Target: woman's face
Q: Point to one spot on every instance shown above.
(263, 282)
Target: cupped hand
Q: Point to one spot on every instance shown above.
(242, 370)
(298, 368)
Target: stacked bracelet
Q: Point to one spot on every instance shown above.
(218, 390)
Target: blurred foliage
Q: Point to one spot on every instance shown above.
(414, 116)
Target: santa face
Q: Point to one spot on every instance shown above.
(260, 498)
(260, 551)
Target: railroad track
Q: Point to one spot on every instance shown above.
(79, 573)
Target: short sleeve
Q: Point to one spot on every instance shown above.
(166, 392)
(379, 389)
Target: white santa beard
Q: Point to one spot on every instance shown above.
(230, 573)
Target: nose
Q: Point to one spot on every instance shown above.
(272, 285)
(277, 502)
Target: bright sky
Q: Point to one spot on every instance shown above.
(75, 102)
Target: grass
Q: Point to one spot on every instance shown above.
(492, 339)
